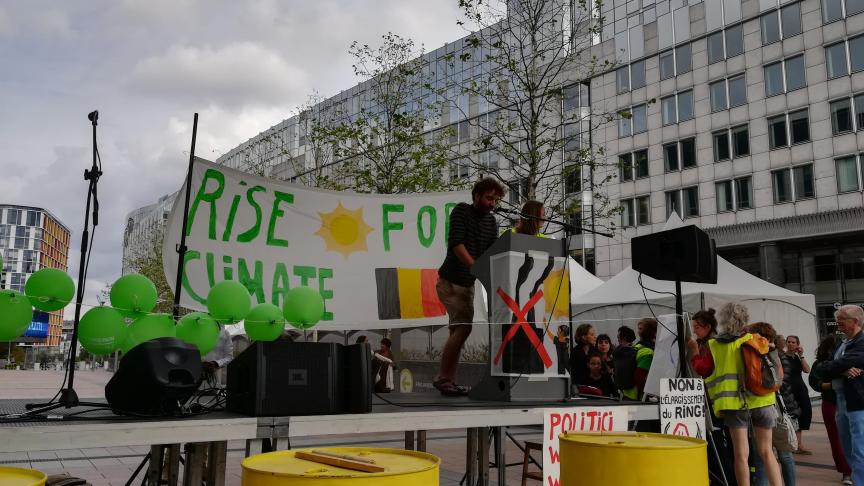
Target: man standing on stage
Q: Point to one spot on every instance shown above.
(473, 229)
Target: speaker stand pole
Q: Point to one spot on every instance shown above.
(181, 248)
(68, 397)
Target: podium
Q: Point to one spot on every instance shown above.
(528, 295)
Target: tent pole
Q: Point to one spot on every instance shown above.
(679, 316)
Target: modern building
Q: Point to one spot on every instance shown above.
(32, 238)
(144, 229)
(745, 116)
(746, 119)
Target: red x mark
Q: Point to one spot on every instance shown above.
(522, 324)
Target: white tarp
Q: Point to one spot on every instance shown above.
(620, 301)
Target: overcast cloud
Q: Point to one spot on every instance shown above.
(147, 66)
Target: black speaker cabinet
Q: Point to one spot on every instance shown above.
(687, 253)
(281, 378)
(155, 378)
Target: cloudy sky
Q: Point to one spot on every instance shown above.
(147, 66)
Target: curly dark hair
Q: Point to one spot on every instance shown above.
(488, 184)
(706, 317)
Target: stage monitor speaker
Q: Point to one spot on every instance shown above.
(155, 377)
(687, 253)
(286, 378)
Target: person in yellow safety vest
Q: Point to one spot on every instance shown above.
(738, 407)
(528, 226)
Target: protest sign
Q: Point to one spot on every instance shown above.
(682, 407)
(557, 421)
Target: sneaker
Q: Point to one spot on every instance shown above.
(846, 479)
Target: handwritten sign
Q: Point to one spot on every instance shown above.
(557, 421)
(682, 407)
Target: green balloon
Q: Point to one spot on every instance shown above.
(133, 294)
(101, 330)
(150, 326)
(228, 302)
(200, 330)
(49, 289)
(304, 307)
(264, 323)
(16, 314)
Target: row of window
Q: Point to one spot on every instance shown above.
(844, 57)
(788, 185)
(838, 9)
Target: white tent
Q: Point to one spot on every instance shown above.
(622, 301)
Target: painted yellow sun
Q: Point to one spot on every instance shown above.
(344, 231)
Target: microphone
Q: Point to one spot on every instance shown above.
(506, 211)
(93, 116)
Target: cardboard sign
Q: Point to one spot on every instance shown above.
(682, 407)
(557, 421)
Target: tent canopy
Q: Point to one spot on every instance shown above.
(622, 300)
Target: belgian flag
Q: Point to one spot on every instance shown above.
(408, 293)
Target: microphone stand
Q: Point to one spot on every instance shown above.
(68, 397)
(568, 230)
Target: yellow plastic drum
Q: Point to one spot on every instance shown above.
(13, 476)
(402, 468)
(632, 458)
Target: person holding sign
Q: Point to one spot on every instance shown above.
(473, 229)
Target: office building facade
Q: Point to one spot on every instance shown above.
(144, 228)
(32, 238)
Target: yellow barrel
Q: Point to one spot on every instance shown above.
(15, 476)
(632, 458)
(402, 468)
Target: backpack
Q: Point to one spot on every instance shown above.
(624, 365)
(762, 375)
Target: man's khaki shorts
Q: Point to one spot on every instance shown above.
(458, 300)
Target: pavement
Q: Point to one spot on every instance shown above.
(113, 466)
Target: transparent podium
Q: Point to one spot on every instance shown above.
(528, 295)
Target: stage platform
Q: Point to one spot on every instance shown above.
(410, 413)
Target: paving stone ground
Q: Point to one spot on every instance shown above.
(113, 466)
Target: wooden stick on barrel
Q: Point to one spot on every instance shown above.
(339, 460)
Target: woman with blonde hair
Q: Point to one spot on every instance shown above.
(731, 401)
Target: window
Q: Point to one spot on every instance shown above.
(718, 95)
(683, 59)
(848, 174)
(683, 201)
(859, 110)
(793, 126)
(837, 9)
(733, 195)
(728, 93)
(841, 116)
(677, 108)
(793, 184)
(733, 46)
(630, 77)
(572, 179)
(856, 54)
(835, 58)
(667, 65)
(725, 199)
(721, 146)
(670, 156)
(715, 48)
(625, 165)
(669, 108)
(637, 75)
(744, 193)
(680, 155)
(622, 77)
(633, 165)
(636, 211)
(633, 121)
(734, 41)
(740, 141)
(783, 76)
(781, 24)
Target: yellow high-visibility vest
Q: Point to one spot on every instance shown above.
(724, 385)
(538, 235)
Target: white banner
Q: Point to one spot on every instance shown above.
(557, 421)
(682, 407)
(373, 258)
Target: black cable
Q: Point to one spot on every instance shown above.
(645, 296)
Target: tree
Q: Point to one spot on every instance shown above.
(147, 261)
(534, 54)
(384, 147)
(316, 118)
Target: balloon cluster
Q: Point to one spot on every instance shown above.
(103, 329)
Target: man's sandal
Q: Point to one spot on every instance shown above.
(448, 388)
